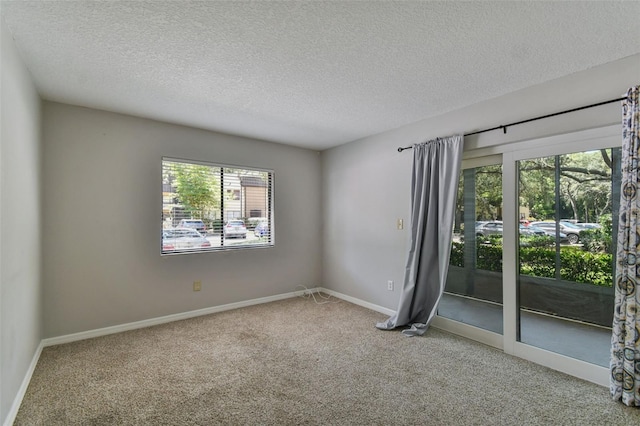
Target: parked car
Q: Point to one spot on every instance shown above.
(531, 230)
(495, 228)
(585, 225)
(252, 222)
(183, 239)
(196, 224)
(571, 231)
(261, 229)
(562, 237)
(484, 229)
(235, 228)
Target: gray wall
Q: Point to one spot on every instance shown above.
(20, 235)
(99, 183)
(366, 184)
(102, 219)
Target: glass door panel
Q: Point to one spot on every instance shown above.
(568, 207)
(473, 293)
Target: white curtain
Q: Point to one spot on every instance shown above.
(434, 185)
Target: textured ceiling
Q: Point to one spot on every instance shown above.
(312, 74)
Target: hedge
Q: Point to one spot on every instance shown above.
(538, 259)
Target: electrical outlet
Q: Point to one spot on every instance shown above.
(400, 224)
(197, 285)
(390, 285)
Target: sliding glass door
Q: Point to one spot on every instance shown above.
(532, 258)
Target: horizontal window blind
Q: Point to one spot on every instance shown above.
(212, 207)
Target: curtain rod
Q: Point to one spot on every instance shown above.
(504, 126)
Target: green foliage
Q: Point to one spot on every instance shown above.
(251, 222)
(584, 190)
(488, 193)
(592, 242)
(489, 256)
(537, 241)
(215, 225)
(457, 254)
(539, 259)
(585, 267)
(197, 188)
(599, 240)
(537, 186)
(584, 186)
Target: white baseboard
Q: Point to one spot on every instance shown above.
(13, 412)
(358, 302)
(165, 319)
(440, 323)
(89, 334)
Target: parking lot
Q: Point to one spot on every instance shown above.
(251, 239)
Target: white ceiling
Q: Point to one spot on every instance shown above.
(311, 74)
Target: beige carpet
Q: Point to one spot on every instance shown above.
(295, 362)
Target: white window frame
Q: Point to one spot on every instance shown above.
(222, 192)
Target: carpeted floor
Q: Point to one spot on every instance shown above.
(296, 362)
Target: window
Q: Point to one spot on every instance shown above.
(211, 207)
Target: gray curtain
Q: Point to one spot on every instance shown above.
(434, 185)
